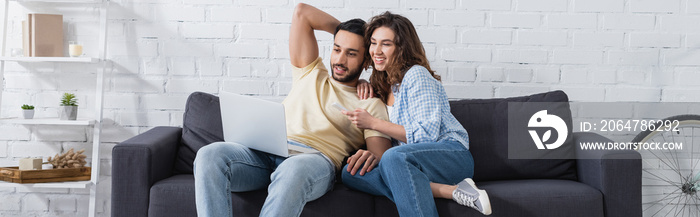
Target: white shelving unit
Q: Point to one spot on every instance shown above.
(76, 184)
(52, 59)
(48, 121)
(96, 123)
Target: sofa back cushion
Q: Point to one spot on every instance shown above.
(486, 121)
(201, 126)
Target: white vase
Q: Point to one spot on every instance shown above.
(28, 113)
(68, 112)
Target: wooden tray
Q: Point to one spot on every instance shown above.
(13, 174)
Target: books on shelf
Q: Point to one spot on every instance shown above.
(25, 38)
(42, 35)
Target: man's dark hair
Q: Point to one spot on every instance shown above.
(356, 26)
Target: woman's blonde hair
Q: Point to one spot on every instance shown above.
(408, 52)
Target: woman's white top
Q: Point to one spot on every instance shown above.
(389, 109)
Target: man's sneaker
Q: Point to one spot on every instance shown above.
(467, 194)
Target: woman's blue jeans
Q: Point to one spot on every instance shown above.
(404, 174)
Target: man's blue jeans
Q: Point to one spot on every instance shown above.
(221, 168)
(404, 174)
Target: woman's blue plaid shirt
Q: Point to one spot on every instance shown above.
(422, 108)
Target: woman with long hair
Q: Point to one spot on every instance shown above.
(430, 145)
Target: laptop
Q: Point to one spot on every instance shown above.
(257, 124)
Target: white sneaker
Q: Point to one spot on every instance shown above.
(467, 194)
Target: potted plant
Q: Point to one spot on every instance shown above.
(69, 107)
(28, 111)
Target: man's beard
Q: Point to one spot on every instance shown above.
(349, 75)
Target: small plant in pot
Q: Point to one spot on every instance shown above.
(28, 111)
(69, 107)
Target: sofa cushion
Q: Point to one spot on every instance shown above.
(538, 197)
(201, 126)
(486, 121)
(340, 202)
(533, 197)
(174, 196)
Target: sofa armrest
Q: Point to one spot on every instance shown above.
(139, 162)
(616, 173)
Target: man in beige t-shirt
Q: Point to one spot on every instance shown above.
(312, 121)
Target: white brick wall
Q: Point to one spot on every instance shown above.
(487, 37)
(14, 133)
(676, 57)
(197, 30)
(637, 58)
(161, 51)
(62, 204)
(35, 202)
(466, 54)
(238, 14)
(436, 35)
(495, 5)
(181, 85)
(461, 18)
(628, 22)
(518, 75)
(253, 87)
(259, 31)
(494, 74)
(542, 5)
(633, 94)
(547, 75)
(463, 74)
(572, 21)
(3, 149)
(436, 4)
(577, 57)
(515, 20)
(144, 118)
(539, 38)
(655, 40)
(670, 6)
(250, 50)
(188, 49)
(387, 4)
(521, 56)
(598, 5)
(417, 17)
(33, 149)
(179, 13)
(598, 39)
(589, 94)
(11, 203)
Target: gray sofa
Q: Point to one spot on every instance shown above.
(152, 172)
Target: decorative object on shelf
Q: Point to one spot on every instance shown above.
(75, 49)
(42, 35)
(13, 174)
(28, 111)
(16, 52)
(69, 107)
(30, 164)
(69, 159)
